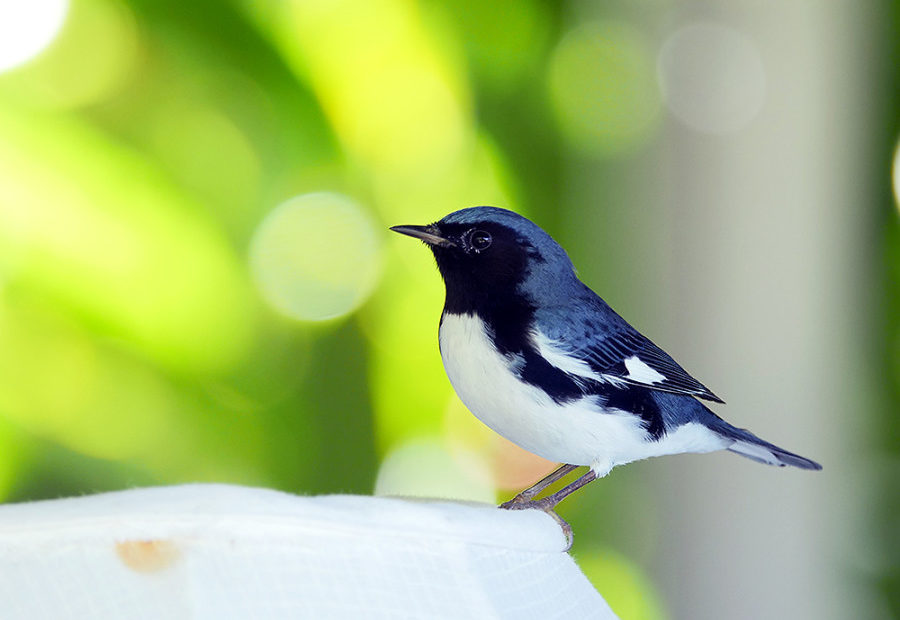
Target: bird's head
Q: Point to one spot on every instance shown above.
(486, 254)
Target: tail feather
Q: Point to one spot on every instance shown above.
(749, 445)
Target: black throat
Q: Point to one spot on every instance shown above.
(509, 317)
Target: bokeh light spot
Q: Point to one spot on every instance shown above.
(95, 54)
(26, 28)
(603, 88)
(316, 256)
(896, 175)
(424, 467)
(712, 78)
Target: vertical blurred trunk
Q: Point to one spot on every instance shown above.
(767, 285)
(743, 251)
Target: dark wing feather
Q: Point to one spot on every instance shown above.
(607, 356)
(604, 341)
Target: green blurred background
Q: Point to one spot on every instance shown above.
(197, 282)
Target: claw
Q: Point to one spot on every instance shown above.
(517, 503)
(524, 501)
(565, 527)
(544, 506)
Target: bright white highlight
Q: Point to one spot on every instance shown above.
(896, 175)
(27, 27)
(712, 78)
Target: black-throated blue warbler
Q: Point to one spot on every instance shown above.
(541, 359)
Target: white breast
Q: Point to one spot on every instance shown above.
(579, 432)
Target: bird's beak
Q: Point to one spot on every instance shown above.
(429, 234)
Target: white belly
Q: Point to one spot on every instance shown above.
(579, 432)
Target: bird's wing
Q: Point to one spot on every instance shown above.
(609, 350)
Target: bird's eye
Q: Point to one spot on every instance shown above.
(480, 240)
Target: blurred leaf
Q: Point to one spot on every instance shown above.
(106, 234)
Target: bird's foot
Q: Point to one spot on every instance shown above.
(533, 491)
(544, 505)
(523, 500)
(519, 502)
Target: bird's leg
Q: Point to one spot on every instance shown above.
(528, 494)
(547, 504)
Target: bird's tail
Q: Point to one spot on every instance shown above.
(747, 444)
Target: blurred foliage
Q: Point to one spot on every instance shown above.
(163, 320)
(886, 336)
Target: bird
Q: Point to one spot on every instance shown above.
(544, 361)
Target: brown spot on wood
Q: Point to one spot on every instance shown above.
(147, 556)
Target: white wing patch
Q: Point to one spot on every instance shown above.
(638, 371)
(557, 357)
(641, 372)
